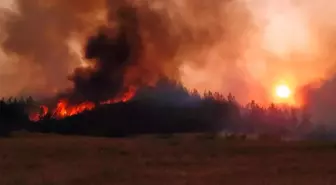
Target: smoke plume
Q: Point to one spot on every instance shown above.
(93, 50)
(318, 95)
(139, 42)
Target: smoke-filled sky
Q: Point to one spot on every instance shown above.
(246, 47)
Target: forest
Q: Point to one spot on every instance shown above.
(163, 109)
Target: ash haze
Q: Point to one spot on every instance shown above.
(245, 47)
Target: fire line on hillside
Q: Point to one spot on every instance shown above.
(64, 109)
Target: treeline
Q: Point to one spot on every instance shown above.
(14, 114)
(153, 110)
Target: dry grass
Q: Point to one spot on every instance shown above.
(152, 160)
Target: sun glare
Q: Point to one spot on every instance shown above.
(283, 91)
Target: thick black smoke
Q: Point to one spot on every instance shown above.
(112, 55)
(141, 45)
(139, 42)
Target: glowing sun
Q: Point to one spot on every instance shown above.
(283, 91)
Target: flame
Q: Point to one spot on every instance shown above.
(37, 116)
(64, 109)
(123, 98)
(44, 110)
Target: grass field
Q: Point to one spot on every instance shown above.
(35, 159)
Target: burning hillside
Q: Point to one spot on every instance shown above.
(136, 46)
(64, 109)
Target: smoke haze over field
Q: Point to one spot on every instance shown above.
(242, 46)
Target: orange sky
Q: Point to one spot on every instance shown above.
(286, 50)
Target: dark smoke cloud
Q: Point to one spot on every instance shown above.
(140, 42)
(148, 43)
(113, 54)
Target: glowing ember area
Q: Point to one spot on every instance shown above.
(64, 109)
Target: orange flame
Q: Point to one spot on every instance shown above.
(123, 98)
(63, 109)
(44, 110)
(37, 116)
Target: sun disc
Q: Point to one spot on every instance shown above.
(283, 91)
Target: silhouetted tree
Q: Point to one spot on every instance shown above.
(13, 115)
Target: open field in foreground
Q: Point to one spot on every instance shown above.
(156, 160)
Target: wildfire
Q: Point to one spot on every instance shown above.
(37, 116)
(123, 98)
(64, 109)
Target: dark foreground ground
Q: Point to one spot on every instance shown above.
(34, 159)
